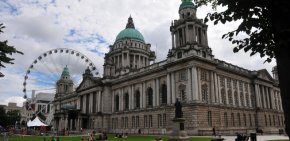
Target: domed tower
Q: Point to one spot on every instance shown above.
(64, 85)
(189, 32)
(128, 53)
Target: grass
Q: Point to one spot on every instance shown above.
(111, 138)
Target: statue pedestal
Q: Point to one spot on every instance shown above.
(178, 133)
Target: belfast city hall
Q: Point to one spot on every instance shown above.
(135, 95)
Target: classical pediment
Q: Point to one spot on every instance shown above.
(88, 82)
(264, 74)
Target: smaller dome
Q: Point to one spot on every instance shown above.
(65, 71)
(186, 4)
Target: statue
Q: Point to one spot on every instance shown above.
(178, 109)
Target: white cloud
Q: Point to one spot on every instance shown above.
(38, 26)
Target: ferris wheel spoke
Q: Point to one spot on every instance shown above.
(56, 68)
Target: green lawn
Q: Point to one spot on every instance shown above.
(111, 138)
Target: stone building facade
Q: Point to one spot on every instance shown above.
(136, 94)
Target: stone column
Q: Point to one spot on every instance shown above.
(189, 85)
(168, 88)
(272, 98)
(194, 33)
(113, 101)
(122, 100)
(157, 92)
(212, 87)
(258, 96)
(139, 65)
(154, 92)
(130, 96)
(219, 90)
(195, 96)
(262, 92)
(226, 91)
(186, 33)
(267, 97)
(198, 83)
(206, 40)
(91, 103)
(216, 91)
(133, 96)
(99, 101)
(141, 94)
(172, 36)
(144, 94)
(134, 59)
(173, 92)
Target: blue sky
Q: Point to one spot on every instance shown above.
(90, 26)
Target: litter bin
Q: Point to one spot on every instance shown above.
(253, 136)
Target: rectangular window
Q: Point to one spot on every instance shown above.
(133, 122)
(126, 122)
(94, 102)
(150, 121)
(159, 124)
(209, 118)
(226, 119)
(145, 121)
(122, 122)
(164, 120)
(233, 119)
(137, 121)
(250, 119)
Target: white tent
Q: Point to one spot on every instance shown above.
(29, 123)
(36, 122)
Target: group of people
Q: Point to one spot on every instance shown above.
(93, 137)
(123, 135)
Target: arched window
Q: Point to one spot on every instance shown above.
(236, 98)
(137, 99)
(182, 92)
(163, 94)
(223, 94)
(117, 102)
(230, 95)
(204, 93)
(149, 97)
(126, 101)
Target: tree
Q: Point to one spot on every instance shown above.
(6, 50)
(266, 22)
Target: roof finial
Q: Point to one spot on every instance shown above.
(130, 23)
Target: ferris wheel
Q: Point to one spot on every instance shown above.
(46, 69)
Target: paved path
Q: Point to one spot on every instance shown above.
(259, 137)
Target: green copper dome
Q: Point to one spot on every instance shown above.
(130, 32)
(65, 71)
(186, 4)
